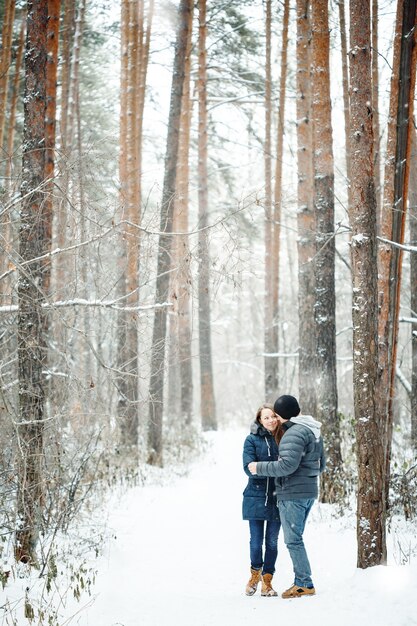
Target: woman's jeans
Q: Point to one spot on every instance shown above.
(257, 529)
(293, 514)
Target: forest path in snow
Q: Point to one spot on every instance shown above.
(179, 556)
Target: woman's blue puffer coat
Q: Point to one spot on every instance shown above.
(259, 500)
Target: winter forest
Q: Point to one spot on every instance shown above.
(203, 205)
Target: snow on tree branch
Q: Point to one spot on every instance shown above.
(107, 304)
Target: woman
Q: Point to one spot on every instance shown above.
(259, 500)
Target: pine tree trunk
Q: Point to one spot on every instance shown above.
(61, 217)
(128, 331)
(208, 405)
(325, 302)
(270, 388)
(276, 226)
(5, 62)
(375, 103)
(13, 105)
(134, 54)
(6, 225)
(306, 222)
(385, 229)
(67, 46)
(346, 108)
(54, 7)
(183, 276)
(370, 451)
(405, 108)
(156, 385)
(413, 287)
(31, 355)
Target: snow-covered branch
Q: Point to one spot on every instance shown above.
(406, 247)
(281, 355)
(106, 304)
(408, 320)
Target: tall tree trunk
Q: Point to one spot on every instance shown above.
(156, 384)
(375, 103)
(325, 304)
(413, 287)
(85, 265)
(362, 214)
(306, 222)
(143, 70)
(385, 230)
(125, 54)
(6, 225)
(268, 320)
(61, 217)
(276, 226)
(54, 7)
(67, 46)
(182, 256)
(208, 405)
(128, 331)
(135, 54)
(13, 105)
(31, 355)
(346, 107)
(407, 76)
(5, 62)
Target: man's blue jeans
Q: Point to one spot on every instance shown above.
(257, 530)
(293, 514)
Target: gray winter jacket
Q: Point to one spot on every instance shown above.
(301, 460)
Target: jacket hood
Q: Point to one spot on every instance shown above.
(309, 422)
(257, 429)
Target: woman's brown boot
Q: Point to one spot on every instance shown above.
(267, 586)
(253, 582)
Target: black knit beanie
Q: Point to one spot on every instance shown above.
(286, 407)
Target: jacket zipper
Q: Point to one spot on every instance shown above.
(267, 478)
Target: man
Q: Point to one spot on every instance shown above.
(301, 460)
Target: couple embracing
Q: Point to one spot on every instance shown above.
(283, 457)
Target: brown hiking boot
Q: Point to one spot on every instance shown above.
(253, 582)
(267, 586)
(296, 592)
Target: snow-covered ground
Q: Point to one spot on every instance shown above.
(178, 555)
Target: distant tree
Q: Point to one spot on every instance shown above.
(5, 62)
(385, 226)
(54, 8)
(9, 175)
(156, 385)
(277, 205)
(306, 221)
(270, 383)
(208, 405)
(31, 352)
(61, 217)
(345, 82)
(135, 43)
(181, 287)
(394, 212)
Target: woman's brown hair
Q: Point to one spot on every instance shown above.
(278, 432)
